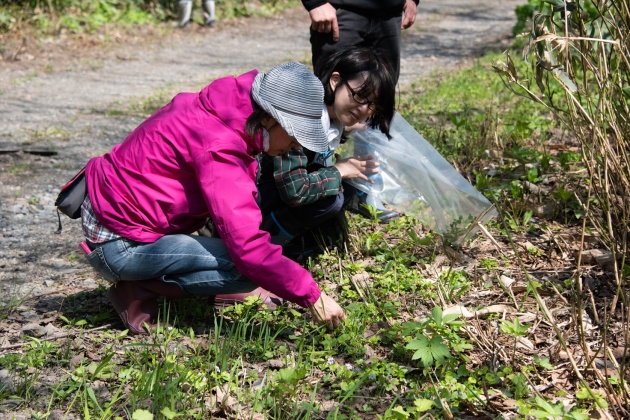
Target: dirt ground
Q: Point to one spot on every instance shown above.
(56, 97)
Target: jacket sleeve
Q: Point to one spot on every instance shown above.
(297, 186)
(225, 174)
(311, 4)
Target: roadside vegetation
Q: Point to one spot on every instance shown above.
(53, 17)
(529, 320)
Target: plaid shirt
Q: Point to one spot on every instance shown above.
(298, 179)
(94, 232)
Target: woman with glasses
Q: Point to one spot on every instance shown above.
(301, 189)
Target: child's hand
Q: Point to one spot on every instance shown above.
(360, 126)
(357, 167)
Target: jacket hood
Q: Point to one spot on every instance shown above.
(230, 100)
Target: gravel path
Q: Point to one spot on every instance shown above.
(51, 101)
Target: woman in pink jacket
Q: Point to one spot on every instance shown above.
(196, 159)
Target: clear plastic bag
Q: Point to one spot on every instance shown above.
(416, 180)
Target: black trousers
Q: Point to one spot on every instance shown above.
(357, 29)
(296, 220)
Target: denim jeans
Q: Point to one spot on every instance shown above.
(200, 265)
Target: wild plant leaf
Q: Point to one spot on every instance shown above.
(461, 346)
(423, 405)
(429, 351)
(547, 410)
(399, 413)
(417, 240)
(569, 7)
(436, 315)
(514, 328)
(543, 362)
(91, 395)
(583, 394)
(539, 77)
(409, 328)
(142, 415)
(449, 319)
(290, 375)
(576, 414)
(168, 413)
(104, 363)
(587, 394)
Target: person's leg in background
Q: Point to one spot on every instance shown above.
(208, 13)
(386, 33)
(184, 12)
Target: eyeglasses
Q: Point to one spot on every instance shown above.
(361, 100)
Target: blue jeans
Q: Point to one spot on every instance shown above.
(201, 266)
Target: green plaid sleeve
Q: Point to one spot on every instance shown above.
(297, 186)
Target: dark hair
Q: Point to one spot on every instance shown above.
(380, 81)
(253, 124)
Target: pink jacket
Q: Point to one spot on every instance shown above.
(191, 160)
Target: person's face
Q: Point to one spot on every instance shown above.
(279, 140)
(349, 107)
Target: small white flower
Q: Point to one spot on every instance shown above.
(217, 369)
(372, 377)
(204, 379)
(331, 360)
(349, 366)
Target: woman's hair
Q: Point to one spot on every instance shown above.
(379, 83)
(254, 123)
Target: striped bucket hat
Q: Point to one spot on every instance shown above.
(294, 97)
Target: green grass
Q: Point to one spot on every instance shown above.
(466, 113)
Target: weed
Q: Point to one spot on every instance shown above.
(18, 168)
(10, 303)
(540, 408)
(489, 263)
(453, 285)
(514, 329)
(435, 339)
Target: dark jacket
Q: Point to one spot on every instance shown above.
(368, 7)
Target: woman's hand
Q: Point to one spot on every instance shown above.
(327, 311)
(357, 167)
